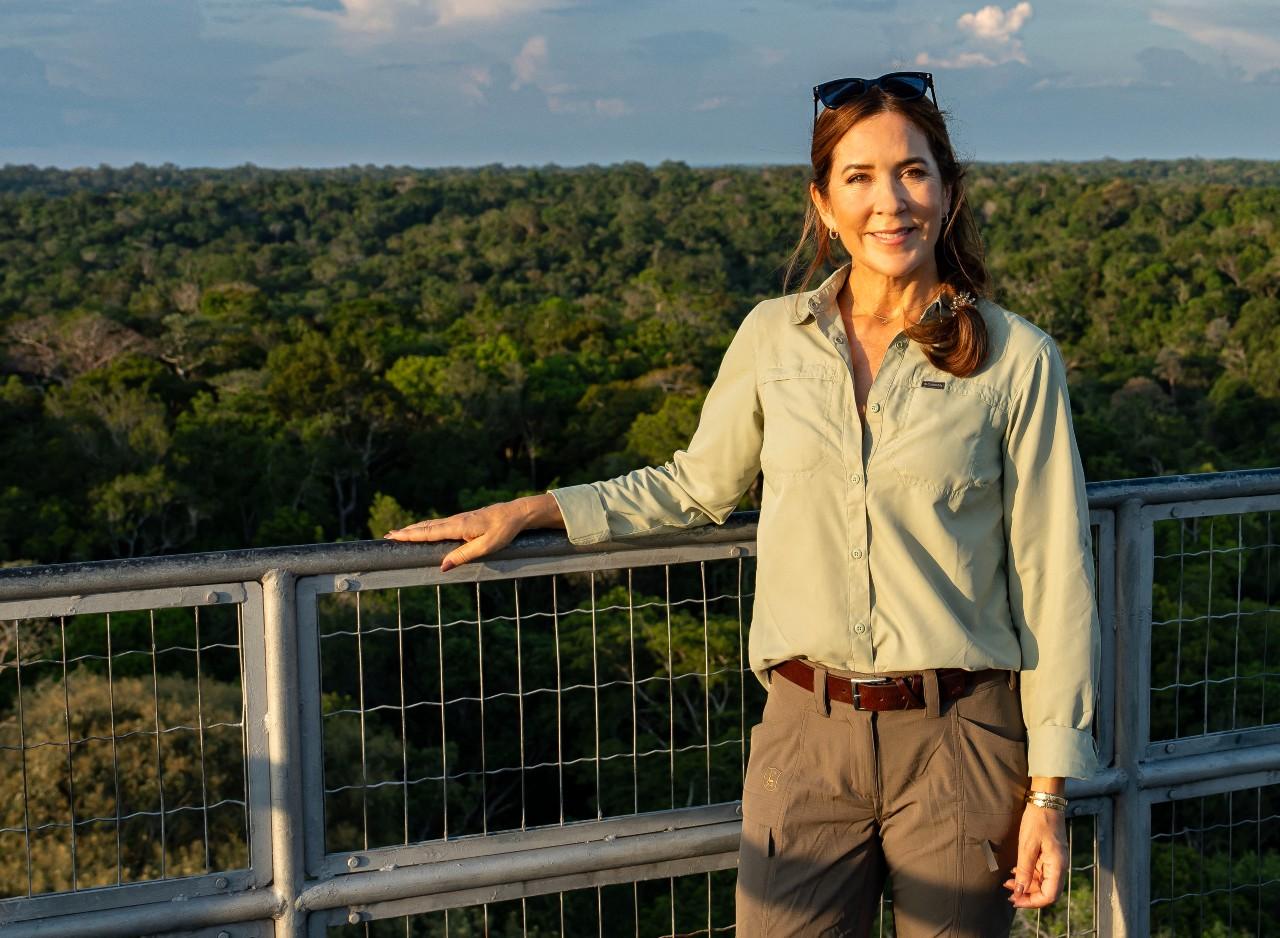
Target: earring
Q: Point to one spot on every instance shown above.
(945, 216)
(835, 235)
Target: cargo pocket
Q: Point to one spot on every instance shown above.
(993, 776)
(797, 429)
(991, 772)
(991, 746)
(948, 441)
(770, 768)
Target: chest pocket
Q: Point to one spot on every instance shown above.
(949, 440)
(797, 402)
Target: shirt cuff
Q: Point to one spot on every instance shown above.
(1060, 752)
(584, 519)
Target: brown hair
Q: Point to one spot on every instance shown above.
(956, 344)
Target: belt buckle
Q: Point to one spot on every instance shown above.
(857, 689)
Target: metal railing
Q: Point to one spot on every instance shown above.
(552, 741)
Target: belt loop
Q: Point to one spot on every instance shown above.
(932, 702)
(1013, 680)
(820, 691)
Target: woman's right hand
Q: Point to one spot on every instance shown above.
(485, 530)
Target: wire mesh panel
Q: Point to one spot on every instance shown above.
(1215, 864)
(698, 904)
(1215, 625)
(502, 705)
(122, 748)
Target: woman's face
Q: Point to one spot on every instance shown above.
(886, 198)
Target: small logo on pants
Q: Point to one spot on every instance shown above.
(771, 776)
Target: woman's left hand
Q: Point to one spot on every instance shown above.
(1042, 858)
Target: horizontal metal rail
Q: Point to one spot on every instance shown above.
(152, 918)
(523, 866)
(190, 569)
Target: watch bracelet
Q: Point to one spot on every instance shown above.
(1044, 799)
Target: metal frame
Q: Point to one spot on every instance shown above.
(214, 898)
(294, 888)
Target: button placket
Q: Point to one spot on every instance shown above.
(884, 382)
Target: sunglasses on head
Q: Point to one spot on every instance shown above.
(904, 85)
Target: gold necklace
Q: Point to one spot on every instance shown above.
(884, 321)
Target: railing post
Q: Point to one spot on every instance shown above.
(285, 748)
(1129, 906)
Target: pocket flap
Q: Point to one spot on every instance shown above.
(804, 370)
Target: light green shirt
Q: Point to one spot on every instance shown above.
(951, 531)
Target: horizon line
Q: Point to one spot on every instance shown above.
(195, 167)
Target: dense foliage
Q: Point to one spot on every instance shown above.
(198, 359)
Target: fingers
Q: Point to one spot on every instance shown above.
(1037, 887)
(1042, 857)
(1052, 882)
(484, 531)
(433, 529)
(1024, 872)
(462, 526)
(466, 553)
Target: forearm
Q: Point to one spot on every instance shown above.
(1054, 785)
(540, 511)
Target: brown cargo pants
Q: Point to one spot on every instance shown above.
(835, 799)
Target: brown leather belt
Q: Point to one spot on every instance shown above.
(897, 693)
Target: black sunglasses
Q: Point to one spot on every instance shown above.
(904, 85)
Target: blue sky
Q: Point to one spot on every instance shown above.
(467, 82)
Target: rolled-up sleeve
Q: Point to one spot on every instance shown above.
(1050, 572)
(700, 484)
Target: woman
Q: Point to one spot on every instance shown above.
(924, 615)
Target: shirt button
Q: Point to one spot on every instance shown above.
(860, 628)
(857, 553)
(839, 339)
(901, 343)
(855, 478)
(875, 408)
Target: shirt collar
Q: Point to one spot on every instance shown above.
(823, 299)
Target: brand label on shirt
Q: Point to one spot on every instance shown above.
(933, 384)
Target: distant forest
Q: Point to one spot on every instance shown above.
(207, 359)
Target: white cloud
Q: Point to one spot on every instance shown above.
(710, 104)
(532, 68)
(530, 63)
(474, 81)
(390, 18)
(1245, 45)
(990, 38)
(959, 60)
(995, 24)
(456, 11)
